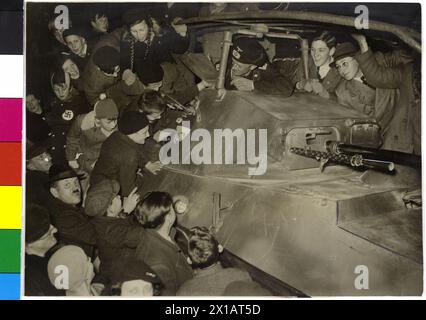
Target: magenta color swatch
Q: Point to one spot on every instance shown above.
(10, 119)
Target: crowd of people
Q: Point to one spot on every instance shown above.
(90, 149)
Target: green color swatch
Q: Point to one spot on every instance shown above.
(10, 253)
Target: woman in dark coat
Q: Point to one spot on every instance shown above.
(140, 43)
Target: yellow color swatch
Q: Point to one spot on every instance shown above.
(10, 207)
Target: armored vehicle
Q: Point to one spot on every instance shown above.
(333, 214)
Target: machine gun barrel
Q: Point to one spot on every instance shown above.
(376, 154)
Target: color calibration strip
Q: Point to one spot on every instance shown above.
(11, 93)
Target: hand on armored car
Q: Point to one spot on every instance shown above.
(305, 85)
(154, 167)
(319, 89)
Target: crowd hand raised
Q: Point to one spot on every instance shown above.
(154, 167)
(180, 29)
(243, 84)
(100, 23)
(129, 77)
(73, 164)
(362, 41)
(131, 201)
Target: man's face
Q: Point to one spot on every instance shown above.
(108, 124)
(155, 86)
(139, 31)
(71, 68)
(241, 69)
(33, 104)
(75, 44)
(348, 67)
(67, 190)
(137, 288)
(320, 53)
(62, 91)
(140, 136)
(42, 162)
(46, 242)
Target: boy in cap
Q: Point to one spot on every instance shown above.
(76, 42)
(39, 242)
(67, 62)
(38, 163)
(210, 278)
(354, 91)
(118, 231)
(250, 70)
(102, 76)
(72, 222)
(70, 269)
(88, 132)
(120, 157)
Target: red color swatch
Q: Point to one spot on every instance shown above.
(10, 164)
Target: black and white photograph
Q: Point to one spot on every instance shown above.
(222, 149)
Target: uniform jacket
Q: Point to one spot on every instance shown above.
(60, 118)
(73, 224)
(266, 81)
(403, 131)
(85, 138)
(119, 159)
(62, 113)
(38, 130)
(165, 259)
